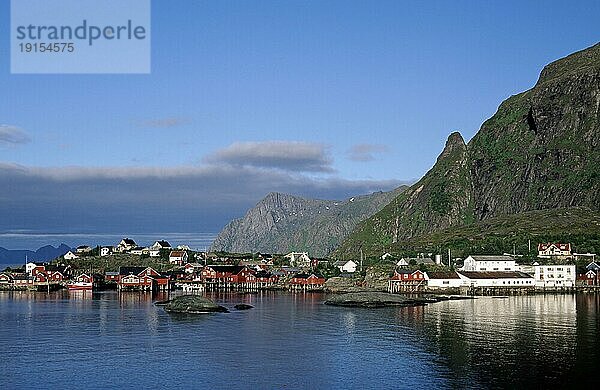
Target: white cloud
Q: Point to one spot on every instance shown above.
(293, 156)
(13, 135)
(366, 152)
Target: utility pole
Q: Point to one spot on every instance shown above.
(361, 259)
(449, 259)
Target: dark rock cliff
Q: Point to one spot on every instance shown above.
(538, 152)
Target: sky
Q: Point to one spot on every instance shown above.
(324, 99)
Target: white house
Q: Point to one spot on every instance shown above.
(504, 279)
(346, 266)
(31, 265)
(105, 251)
(554, 250)
(489, 263)
(70, 256)
(125, 245)
(178, 257)
(414, 260)
(161, 244)
(555, 275)
(299, 259)
(138, 250)
(83, 249)
(444, 279)
(402, 263)
(190, 268)
(386, 255)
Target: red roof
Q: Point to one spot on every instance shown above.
(562, 247)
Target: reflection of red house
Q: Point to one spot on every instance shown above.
(307, 280)
(142, 278)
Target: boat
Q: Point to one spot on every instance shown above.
(82, 282)
(75, 286)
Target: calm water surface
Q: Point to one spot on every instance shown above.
(110, 340)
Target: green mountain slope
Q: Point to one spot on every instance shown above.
(538, 152)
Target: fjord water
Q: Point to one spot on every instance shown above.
(111, 340)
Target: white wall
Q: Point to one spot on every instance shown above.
(488, 266)
(555, 275)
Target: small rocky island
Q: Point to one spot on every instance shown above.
(382, 299)
(193, 304)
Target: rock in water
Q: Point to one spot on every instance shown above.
(375, 299)
(193, 304)
(243, 306)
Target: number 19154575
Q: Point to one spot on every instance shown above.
(41, 47)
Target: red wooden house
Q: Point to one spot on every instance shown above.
(142, 278)
(307, 280)
(405, 280)
(590, 278)
(225, 273)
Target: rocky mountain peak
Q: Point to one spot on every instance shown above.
(580, 61)
(455, 143)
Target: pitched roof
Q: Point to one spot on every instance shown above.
(593, 266)
(164, 244)
(418, 260)
(495, 275)
(128, 241)
(492, 258)
(55, 268)
(342, 262)
(306, 276)
(559, 245)
(263, 274)
(442, 275)
(131, 270)
(233, 269)
(177, 253)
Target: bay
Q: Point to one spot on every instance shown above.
(122, 340)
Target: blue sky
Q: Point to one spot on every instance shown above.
(319, 98)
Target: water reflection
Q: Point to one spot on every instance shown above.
(294, 341)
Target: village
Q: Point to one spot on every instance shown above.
(160, 267)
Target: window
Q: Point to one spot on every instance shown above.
(495, 269)
(482, 269)
(446, 282)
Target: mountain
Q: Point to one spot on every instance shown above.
(281, 223)
(44, 253)
(538, 152)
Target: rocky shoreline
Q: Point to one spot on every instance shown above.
(373, 299)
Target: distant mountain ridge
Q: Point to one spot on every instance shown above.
(45, 253)
(281, 223)
(538, 152)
